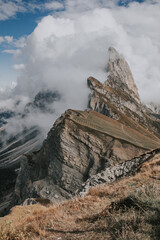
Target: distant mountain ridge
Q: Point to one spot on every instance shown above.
(42, 101)
(4, 115)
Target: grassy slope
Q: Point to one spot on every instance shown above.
(128, 209)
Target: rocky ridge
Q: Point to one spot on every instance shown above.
(73, 152)
(80, 145)
(103, 144)
(118, 97)
(120, 76)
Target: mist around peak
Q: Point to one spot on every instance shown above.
(69, 46)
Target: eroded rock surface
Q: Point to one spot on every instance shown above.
(120, 75)
(80, 145)
(113, 174)
(118, 97)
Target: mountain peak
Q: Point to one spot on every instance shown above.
(120, 74)
(113, 54)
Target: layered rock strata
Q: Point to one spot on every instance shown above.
(118, 97)
(80, 144)
(113, 174)
(120, 75)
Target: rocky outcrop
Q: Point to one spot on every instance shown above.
(32, 201)
(153, 110)
(120, 75)
(113, 174)
(80, 145)
(118, 97)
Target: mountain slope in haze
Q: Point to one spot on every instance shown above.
(4, 115)
(43, 102)
(26, 141)
(10, 156)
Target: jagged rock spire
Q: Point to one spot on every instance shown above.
(120, 74)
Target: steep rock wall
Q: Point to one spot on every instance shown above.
(76, 148)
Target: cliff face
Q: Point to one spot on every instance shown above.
(80, 145)
(120, 76)
(118, 97)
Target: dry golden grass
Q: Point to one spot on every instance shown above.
(128, 209)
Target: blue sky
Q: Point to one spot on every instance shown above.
(18, 19)
(126, 2)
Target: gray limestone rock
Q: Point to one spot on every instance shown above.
(120, 74)
(114, 173)
(70, 155)
(118, 97)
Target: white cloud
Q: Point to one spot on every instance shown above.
(13, 84)
(73, 6)
(10, 8)
(20, 43)
(15, 52)
(54, 5)
(18, 66)
(11, 45)
(6, 39)
(71, 45)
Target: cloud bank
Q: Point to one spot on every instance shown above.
(65, 49)
(69, 46)
(10, 8)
